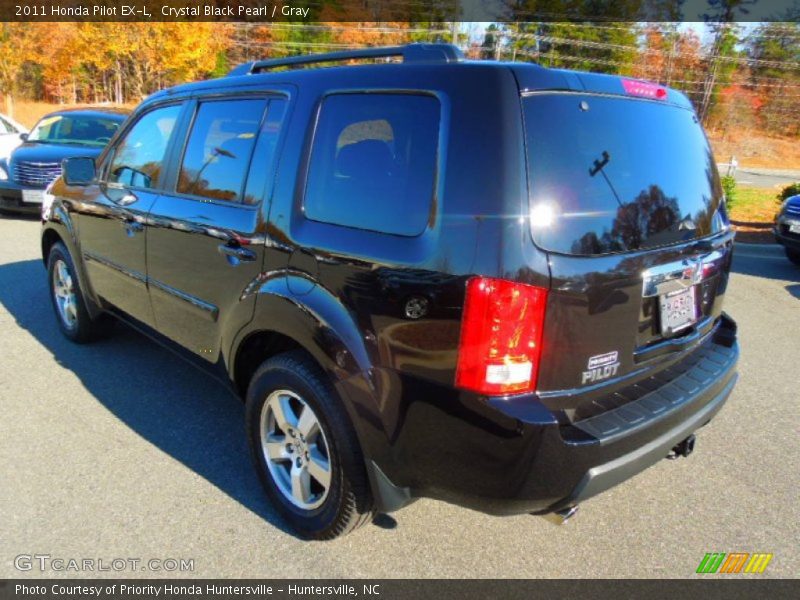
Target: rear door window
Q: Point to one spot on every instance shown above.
(219, 148)
(617, 174)
(265, 154)
(373, 164)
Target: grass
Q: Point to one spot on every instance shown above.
(753, 213)
(755, 205)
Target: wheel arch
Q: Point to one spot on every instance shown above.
(320, 325)
(315, 322)
(50, 237)
(59, 230)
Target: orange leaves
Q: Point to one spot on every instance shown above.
(110, 60)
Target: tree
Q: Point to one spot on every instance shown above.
(60, 59)
(721, 64)
(17, 46)
(490, 48)
(774, 48)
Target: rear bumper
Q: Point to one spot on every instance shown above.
(512, 456)
(604, 476)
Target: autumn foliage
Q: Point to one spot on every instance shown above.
(745, 77)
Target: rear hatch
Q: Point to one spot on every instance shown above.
(626, 200)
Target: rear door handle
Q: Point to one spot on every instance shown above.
(235, 251)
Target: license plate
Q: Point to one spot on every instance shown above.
(33, 196)
(678, 310)
(794, 227)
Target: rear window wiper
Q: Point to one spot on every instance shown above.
(599, 164)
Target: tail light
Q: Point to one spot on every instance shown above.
(501, 336)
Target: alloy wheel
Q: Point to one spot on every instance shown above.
(64, 294)
(295, 449)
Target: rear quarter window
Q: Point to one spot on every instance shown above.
(373, 162)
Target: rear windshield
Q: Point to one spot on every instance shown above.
(617, 174)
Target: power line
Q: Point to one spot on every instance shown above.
(379, 29)
(626, 47)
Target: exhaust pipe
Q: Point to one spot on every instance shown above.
(561, 516)
(684, 448)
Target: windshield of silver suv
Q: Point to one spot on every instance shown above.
(84, 130)
(618, 174)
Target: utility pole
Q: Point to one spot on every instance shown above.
(671, 59)
(454, 24)
(712, 76)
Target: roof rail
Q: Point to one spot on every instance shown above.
(446, 53)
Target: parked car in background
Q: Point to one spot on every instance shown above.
(494, 284)
(36, 162)
(787, 228)
(10, 132)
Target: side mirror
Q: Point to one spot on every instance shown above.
(79, 170)
(23, 137)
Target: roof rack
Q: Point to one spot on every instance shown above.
(445, 53)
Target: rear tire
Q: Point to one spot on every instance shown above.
(66, 296)
(305, 449)
(793, 255)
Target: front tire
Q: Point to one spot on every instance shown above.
(73, 319)
(305, 449)
(793, 255)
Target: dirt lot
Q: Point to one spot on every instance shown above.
(27, 112)
(753, 149)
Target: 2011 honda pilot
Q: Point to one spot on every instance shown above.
(494, 284)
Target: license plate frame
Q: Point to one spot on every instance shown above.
(794, 227)
(678, 310)
(33, 196)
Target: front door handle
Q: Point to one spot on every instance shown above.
(236, 253)
(132, 226)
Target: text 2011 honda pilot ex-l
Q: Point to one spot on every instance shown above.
(494, 284)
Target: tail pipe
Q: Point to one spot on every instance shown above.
(561, 516)
(684, 448)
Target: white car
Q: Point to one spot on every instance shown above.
(9, 136)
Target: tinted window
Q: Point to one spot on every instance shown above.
(81, 130)
(218, 151)
(260, 178)
(373, 165)
(139, 158)
(616, 174)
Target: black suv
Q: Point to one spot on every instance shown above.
(495, 284)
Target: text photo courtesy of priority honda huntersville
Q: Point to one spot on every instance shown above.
(513, 330)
